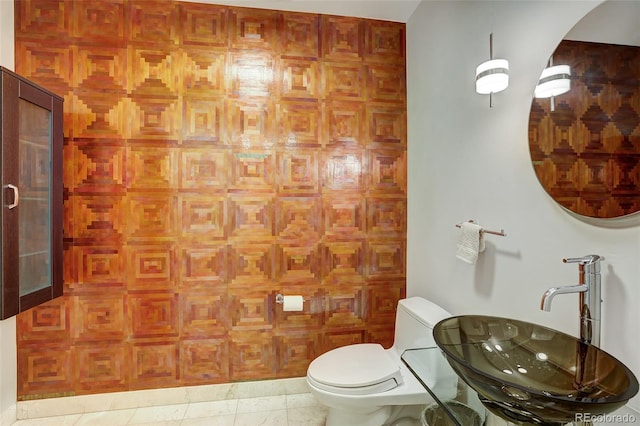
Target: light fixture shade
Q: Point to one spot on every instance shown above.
(554, 81)
(492, 76)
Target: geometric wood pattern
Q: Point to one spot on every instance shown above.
(344, 215)
(344, 123)
(298, 172)
(100, 320)
(293, 350)
(153, 363)
(204, 313)
(345, 170)
(101, 368)
(151, 267)
(586, 152)
(342, 38)
(203, 25)
(214, 157)
(296, 219)
(344, 80)
(386, 83)
(300, 78)
(298, 33)
(298, 265)
(204, 360)
(385, 42)
(299, 124)
(203, 217)
(154, 314)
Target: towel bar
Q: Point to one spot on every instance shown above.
(486, 231)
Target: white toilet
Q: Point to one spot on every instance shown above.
(367, 385)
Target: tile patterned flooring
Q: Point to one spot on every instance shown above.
(283, 410)
(278, 402)
(287, 410)
(281, 402)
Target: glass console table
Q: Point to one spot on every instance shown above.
(458, 404)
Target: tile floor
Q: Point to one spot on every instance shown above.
(285, 402)
(283, 410)
(287, 410)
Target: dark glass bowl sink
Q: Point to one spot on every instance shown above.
(529, 373)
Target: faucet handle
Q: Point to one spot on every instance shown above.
(586, 260)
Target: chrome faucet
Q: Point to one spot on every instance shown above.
(588, 289)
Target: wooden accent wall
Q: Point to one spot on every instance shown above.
(586, 153)
(215, 156)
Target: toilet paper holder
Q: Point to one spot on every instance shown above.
(280, 298)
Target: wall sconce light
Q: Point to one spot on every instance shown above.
(492, 76)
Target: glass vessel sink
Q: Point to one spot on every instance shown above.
(529, 373)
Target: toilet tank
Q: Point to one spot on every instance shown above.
(415, 319)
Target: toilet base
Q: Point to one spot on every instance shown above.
(338, 417)
(388, 415)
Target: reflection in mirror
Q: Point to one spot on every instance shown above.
(585, 143)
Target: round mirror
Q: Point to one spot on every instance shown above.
(585, 142)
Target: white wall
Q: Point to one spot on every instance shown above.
(8, 363)
(469, 161)
(388, 10)
(6, 34)
(8, 371)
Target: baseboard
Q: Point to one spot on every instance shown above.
(157, 397)
(8, 415)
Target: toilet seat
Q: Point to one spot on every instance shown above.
(360, 369)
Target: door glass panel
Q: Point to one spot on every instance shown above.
(34, 207)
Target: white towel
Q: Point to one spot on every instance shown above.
(470, 243)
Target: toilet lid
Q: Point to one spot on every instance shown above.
(365, 366)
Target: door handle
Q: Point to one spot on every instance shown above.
(16, 196)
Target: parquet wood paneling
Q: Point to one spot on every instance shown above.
(344, 80)
(105, 367)
(342, 38)
(100, 167)
(46, 371)
(252, 353)
(100, 320)
(204, 265)
(204, 361)
(293, 350)
(344, 124)
(204, 25)
(300, 78)
(384, 42)
(153, 363)
(299, 34)
(214, 157)
(204, 313)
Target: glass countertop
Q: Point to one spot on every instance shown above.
(458, 403)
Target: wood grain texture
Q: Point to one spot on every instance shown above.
(215, 156)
